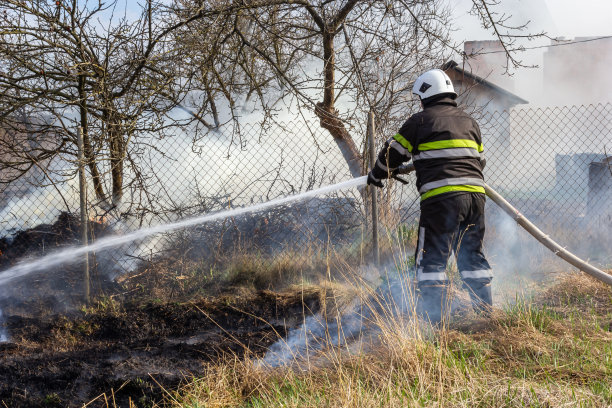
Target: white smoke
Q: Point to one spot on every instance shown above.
(41, 206)
(392, 305)
(574, 75)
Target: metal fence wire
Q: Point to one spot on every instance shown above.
(551, 163)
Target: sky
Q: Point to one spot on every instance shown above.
(569, 18)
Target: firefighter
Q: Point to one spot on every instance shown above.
(446, 148)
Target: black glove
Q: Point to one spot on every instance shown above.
(373, 181)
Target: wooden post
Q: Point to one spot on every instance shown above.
(84, 217)
(371, 134)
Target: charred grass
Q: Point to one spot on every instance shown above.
(548, 350)
(161, 325)
(129, 352)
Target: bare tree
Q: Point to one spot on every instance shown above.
(69, 64)
(336, 58)
(509, 34)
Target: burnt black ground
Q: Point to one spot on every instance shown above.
(132, 351)
(125, 350)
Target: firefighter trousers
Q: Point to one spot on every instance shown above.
(453, 224)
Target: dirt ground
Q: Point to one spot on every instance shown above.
(133, 352)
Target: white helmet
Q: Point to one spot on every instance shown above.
(433, 82)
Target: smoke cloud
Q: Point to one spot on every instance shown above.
(393, 305)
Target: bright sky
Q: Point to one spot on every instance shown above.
(582, 18)
(558, 18)
(569, 18)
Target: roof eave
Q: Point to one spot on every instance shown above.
(454, 66)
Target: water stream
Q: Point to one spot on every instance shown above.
(69, 254)
(3, 335)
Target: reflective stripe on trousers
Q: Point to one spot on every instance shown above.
(430, 276)
(479, 274)
(426, 276)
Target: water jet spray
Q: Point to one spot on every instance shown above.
(71, 253)
(3, 335)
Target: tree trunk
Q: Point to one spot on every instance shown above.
(116, 144)
(328, 114)
(87, 149)
(117, 150)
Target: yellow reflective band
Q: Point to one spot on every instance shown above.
(446, 189)
(480, 148)
(403, 141)
(449, 144)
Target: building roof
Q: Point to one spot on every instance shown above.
(514, 99)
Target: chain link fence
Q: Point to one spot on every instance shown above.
(551, 163)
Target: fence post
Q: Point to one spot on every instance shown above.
(372, 152)
(84, 217)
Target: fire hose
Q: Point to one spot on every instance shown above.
(534, 231)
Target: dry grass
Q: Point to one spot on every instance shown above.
(181, 279)
(530, 354)
(578, 291)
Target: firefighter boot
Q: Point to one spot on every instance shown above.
(480, 293)
(432, 303)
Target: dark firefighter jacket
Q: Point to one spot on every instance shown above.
(446, 147)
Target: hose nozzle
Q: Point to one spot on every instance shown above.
(403, 169)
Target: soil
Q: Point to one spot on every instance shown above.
(131, 353)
